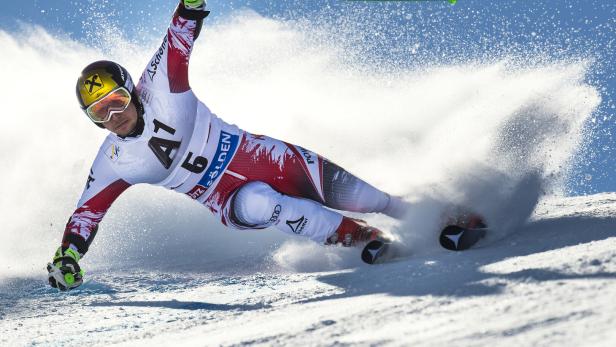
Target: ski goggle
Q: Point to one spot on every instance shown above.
(115, 102)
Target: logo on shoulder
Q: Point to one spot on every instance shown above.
(113, 152)
(145, 96)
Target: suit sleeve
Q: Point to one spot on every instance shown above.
(168, 68)
(102, 188)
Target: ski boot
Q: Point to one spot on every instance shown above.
(353, 231)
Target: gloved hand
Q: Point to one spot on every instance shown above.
(194, 4)
(64, 271)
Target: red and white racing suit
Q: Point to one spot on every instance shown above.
(250, 181)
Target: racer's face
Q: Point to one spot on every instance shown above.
(123, 123)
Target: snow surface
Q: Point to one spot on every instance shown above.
(551, 282)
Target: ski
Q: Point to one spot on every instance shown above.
(379, 251)
(457, 238)
(452, 237)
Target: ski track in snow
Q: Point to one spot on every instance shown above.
(551, 282)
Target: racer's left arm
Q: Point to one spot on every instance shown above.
(168, 68)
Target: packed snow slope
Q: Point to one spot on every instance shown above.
(551, 283)
(494, 135)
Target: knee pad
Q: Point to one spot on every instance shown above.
(256, 205)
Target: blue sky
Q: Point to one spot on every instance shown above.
(468, 30)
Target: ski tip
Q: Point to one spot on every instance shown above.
(456, 238)
(373, 251)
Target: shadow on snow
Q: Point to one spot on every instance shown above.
(460, 273)
(181, 305)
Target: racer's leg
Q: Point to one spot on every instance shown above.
(274, 183)
(256, 205)
(344, 191)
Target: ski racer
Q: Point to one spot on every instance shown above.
(162, 134)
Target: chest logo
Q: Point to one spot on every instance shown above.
(113, 152)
